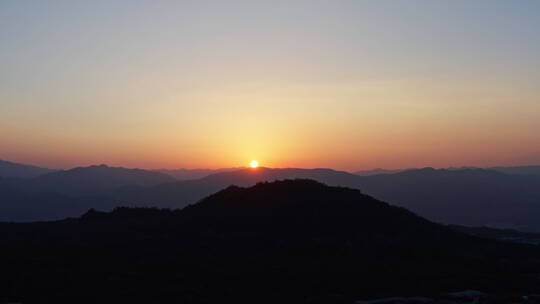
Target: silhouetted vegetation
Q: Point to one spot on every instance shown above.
(290, 241)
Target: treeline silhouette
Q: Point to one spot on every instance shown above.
(288, 241)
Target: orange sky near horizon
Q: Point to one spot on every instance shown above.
(347, 85)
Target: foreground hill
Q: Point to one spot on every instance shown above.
(10, 169)
(289, 241)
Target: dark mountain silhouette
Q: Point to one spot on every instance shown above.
(10, 169)
(472, 197)
(96, 180)
(189, 174)
(289, 241)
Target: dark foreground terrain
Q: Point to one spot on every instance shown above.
(282, 242)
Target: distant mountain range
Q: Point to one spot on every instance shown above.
(468, 197)
(527, 170)
(96, 180)
(188, 174)
(67, 193)
(281, 242)
(472, 197)
(378, 171)
(10, 169)
(17, 170)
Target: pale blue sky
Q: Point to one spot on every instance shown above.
(169, 83)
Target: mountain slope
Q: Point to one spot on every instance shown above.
(469, 196)
(182, 193)
(476, 197)
(290, 241)
(378, 171)
(307, 206)
(18, 206)
(189, 174)
(528, 170)
(10, 169)
(96, 180)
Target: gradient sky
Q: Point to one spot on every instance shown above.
(342, 84)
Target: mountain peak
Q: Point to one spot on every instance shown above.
(307, 200)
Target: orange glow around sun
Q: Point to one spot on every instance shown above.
(254, 164)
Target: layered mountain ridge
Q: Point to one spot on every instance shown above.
(470, 196)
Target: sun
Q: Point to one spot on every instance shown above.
(254, 164)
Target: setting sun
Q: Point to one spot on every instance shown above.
(254, 164)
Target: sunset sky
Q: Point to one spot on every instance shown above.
(342, 84)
